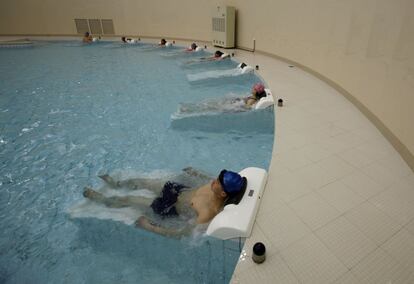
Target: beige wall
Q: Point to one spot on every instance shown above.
(364, 46)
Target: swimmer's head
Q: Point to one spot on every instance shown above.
(163, 41)
(87, 34)
(259, 88)
(218, 53)
(232, 182)
(193, 46)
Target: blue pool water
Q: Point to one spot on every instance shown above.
(70, 112)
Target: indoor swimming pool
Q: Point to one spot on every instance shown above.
(70, 112)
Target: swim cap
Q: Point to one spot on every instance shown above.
(232, 182)
(259, 88)
(193, 45)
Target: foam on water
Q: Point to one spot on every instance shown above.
(229, 104)
(215, 74)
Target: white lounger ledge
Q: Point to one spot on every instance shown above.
(237, 220)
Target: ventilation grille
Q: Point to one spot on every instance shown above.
(219, 24)
(108, 27)
(81, 26)
(95, 26)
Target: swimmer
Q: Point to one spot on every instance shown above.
(87, 38)
(258, 92)
(124, 39)
(163, 42)
(192, 47)
(218, 55)
(176, 199)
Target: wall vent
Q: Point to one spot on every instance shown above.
(81, 26)
(108, 26)
(95, 26)
(219, 25)
(224, 24)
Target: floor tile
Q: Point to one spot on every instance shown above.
(292, 159)
(282, 227)
(362, 184)
(340, 196)
(410, 227)
(314, 176)
(245, 261)
(286, 188)
(347, 278)
(375, 224)
(376, 148)
(314, 211)
(396, 165)
(346, 241)
(314, 152)
(272, 270)
(355, 157)
(396, 202)
(401, 247)
(312, 262)
(380, 174)
(379, 267)
(336, 167)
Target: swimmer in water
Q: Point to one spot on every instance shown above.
(192, 47)
(87, 38)
(258, 92)
(175, 199)
(218, 55)
(163, 42)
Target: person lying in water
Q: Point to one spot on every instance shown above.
(175, 199)
(258, 92)
(224, 105)
(218, 55)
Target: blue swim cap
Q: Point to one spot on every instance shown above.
(232, 182)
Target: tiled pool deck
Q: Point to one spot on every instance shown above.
(338, 206)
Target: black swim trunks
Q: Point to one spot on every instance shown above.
(164, 205)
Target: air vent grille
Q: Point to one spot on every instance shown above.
(108, 27)
(219, 24)
(95, 26)
(81, 26)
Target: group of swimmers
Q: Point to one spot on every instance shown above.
(175, 198)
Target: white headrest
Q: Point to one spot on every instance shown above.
(265, 101)
(168, 44)
(247, 69)
(237, 220)
(94, 39)
(224, 55)
(198, 48)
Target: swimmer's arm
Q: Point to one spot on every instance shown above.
(151, 226)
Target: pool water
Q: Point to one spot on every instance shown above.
(70, 112)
